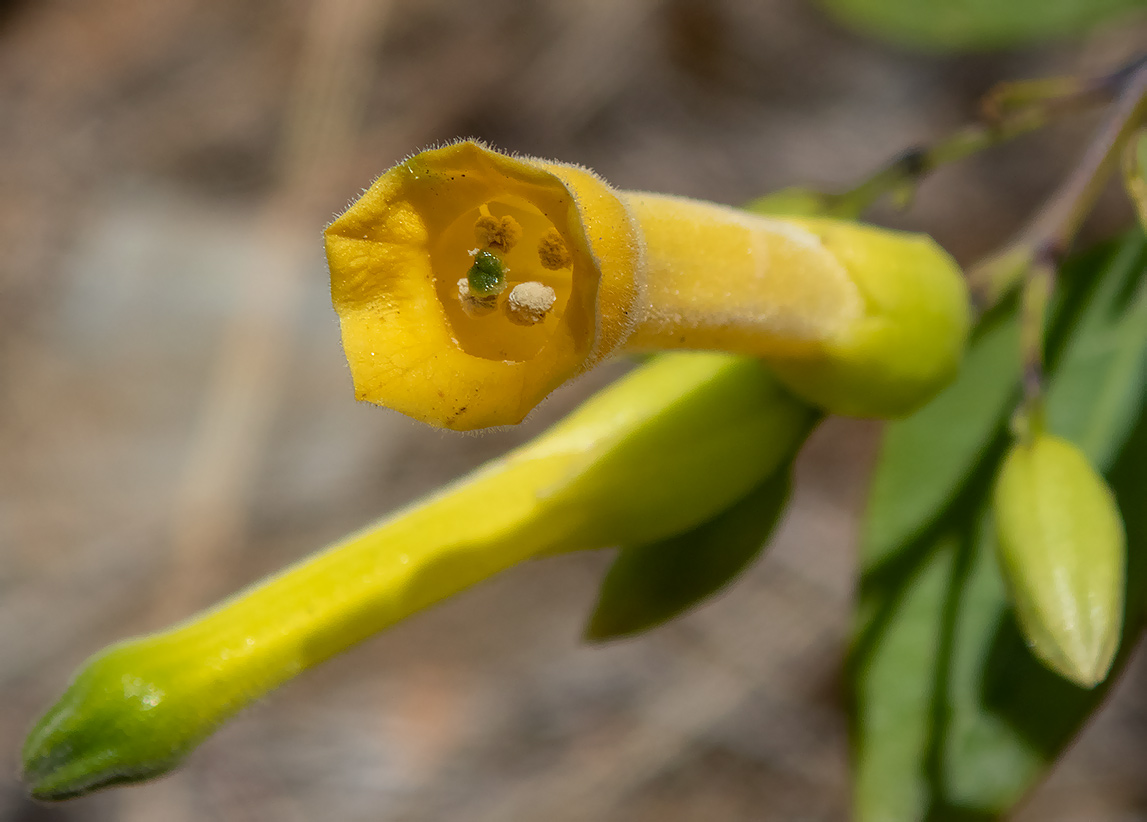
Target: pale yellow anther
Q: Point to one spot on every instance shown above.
(552, 251)
(473, 304)
(529, 303)
(501, 234)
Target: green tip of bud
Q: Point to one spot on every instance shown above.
(487, 275)
(1062, 551)
(116, 723)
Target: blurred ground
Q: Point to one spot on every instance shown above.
(176, 418)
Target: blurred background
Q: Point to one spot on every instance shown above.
(176, 419)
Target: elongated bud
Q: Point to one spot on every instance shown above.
(660, 451)
(1063, 553)
(854, 319)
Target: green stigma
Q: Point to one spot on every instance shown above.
(487, 276)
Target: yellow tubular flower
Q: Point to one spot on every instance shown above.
(397, 255)
(471, 284)
(664, 449)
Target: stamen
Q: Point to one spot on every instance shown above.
(473, 304)
(552, 251)
(500, 234)
(529, 303)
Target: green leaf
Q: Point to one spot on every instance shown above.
(1135, 173)
(653, 583)
(953, 718)
(1098, 390)
(954, 25)
(900, 505)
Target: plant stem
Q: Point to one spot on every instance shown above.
(1010, 110)
(1056, 93)
(901, 175)
(1051, 232)
(1034, 256)
(1057, 225)
(1038, 287)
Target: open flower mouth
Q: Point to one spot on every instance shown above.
(470, 284)
(503, 272)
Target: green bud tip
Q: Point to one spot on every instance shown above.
(118, 722)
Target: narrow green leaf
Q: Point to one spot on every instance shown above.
(889, 726)
(903, 502)
(954, 25)
(953, 718)
(1135, 173)
(653, 583)
(1100, 379)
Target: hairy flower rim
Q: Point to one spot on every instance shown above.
(425, 336)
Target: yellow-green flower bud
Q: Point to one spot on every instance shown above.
(660, 451)
(1063, 553)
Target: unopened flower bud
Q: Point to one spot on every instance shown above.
(1062, 551)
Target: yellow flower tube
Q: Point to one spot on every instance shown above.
(470, 284)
